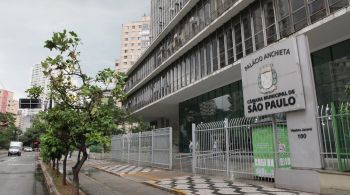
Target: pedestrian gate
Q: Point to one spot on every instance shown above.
(241, 147)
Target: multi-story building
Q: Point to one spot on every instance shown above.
(40, 80)
(162, 13)
(9, 104)
(196, 67)
(135, 38)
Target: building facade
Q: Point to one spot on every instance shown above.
(192, 71)
(38, 79)
(135, 38)
(9, 104)
(162, 13)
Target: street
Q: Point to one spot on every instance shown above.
(19, 175)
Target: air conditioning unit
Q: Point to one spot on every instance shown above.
(171, 9)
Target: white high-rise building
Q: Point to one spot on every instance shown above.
(38, 79)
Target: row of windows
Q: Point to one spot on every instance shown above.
(255, 27)
(162, 12)
(197, 19)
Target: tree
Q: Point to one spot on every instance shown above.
(34, 92)
(8, 130)
(91, 100)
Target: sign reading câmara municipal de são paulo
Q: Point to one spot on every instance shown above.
(272, 81)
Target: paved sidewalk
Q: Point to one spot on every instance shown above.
(185, 183)
(119, 168)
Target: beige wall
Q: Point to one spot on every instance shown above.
(134, 40)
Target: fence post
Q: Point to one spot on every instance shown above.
(275, 139)
(139, 148)
(152, 152)
(128, 138)
(336, 135)
(227, 146)
(122, 157)
(194, 148)
(170, 148)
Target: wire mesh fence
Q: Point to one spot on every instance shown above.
(241, 148)
(151, 148)
(335, 134)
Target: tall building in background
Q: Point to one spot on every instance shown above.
(38, 79)
(135, 38)
(162, 12)
(9, 104)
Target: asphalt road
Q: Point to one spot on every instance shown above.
(19, 175)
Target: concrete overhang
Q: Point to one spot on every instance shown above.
(328, 31)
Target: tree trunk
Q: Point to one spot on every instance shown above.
(57, 166)
(53, 164)
(64, 180)
(76, 170)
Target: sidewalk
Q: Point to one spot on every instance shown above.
(185, 183)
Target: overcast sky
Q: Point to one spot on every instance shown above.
(26, 24)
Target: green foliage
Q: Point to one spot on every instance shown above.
(347, 89)
(34, 92)
(8, 130)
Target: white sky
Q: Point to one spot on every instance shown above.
(26, 24)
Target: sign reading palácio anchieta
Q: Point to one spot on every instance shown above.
(272, 81)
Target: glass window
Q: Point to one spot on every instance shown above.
(179, 75)
(201, 16)
(207, 12)
(229, 43)
(238, 37)
(247, 32)
(317, 9)
(183, 76)
(193, 66)
(284, 18)
(269, 21)
(257, 24)
(334, 5)
(214, 51)
(331, 72)
(202, 60)
(299, 14)
(175, 78)
(222, 53)
(208, 57)
(197, 69)
(188, 70)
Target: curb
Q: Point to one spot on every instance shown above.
(48, 180)
(49, 183)
(171, 190)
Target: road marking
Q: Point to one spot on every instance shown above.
(8, 160)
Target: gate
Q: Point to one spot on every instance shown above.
(150, 148)
(241, 148)
(334, 123)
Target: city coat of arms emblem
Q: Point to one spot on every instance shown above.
(267, 79)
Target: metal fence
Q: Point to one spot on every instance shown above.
(151, 148)
(226, 147)
(335, 135)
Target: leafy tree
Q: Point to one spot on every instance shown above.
(8, 130)
(89, 101)
(35, 92)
